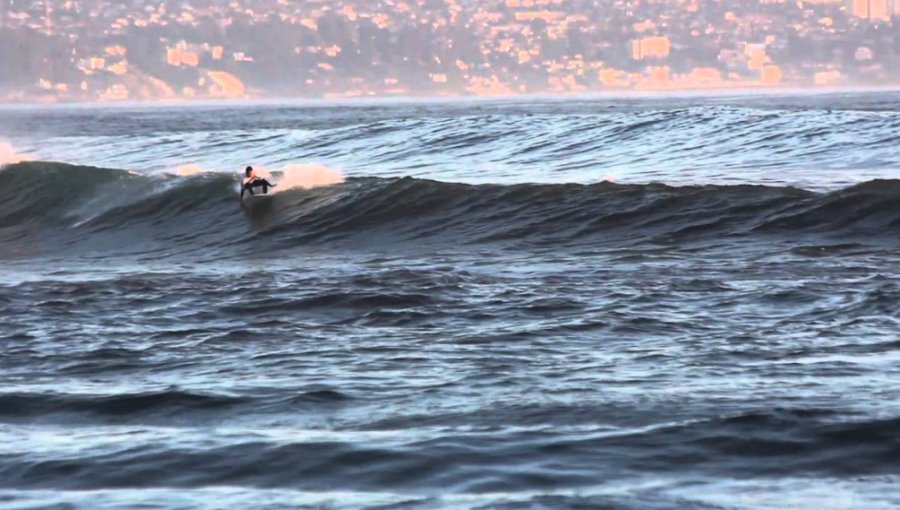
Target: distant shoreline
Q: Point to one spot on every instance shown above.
(251, 100)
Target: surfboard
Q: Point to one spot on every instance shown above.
(259, 191)
(259, 197)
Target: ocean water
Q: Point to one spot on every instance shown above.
(635, 302)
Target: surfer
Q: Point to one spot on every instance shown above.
(251, 180)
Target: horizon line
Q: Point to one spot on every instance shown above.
(711, 92)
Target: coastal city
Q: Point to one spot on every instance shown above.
(100, 50)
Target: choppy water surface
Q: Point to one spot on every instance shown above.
(475, 318)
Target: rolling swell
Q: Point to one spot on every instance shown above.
(780, 442)
(85, 206)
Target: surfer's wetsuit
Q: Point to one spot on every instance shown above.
(249, 184)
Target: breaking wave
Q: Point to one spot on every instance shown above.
(76, 206)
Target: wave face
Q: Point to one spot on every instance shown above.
(83, 205)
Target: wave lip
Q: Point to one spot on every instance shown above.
(112, 209)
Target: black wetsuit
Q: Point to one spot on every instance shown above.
(256, 182)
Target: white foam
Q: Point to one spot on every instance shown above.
(8, 154)
(190, 169)
(302, 176)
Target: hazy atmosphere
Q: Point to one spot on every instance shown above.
(76, 50)
(658, 269)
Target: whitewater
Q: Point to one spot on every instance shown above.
(622, 302)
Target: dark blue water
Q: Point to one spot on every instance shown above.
(597, 303)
